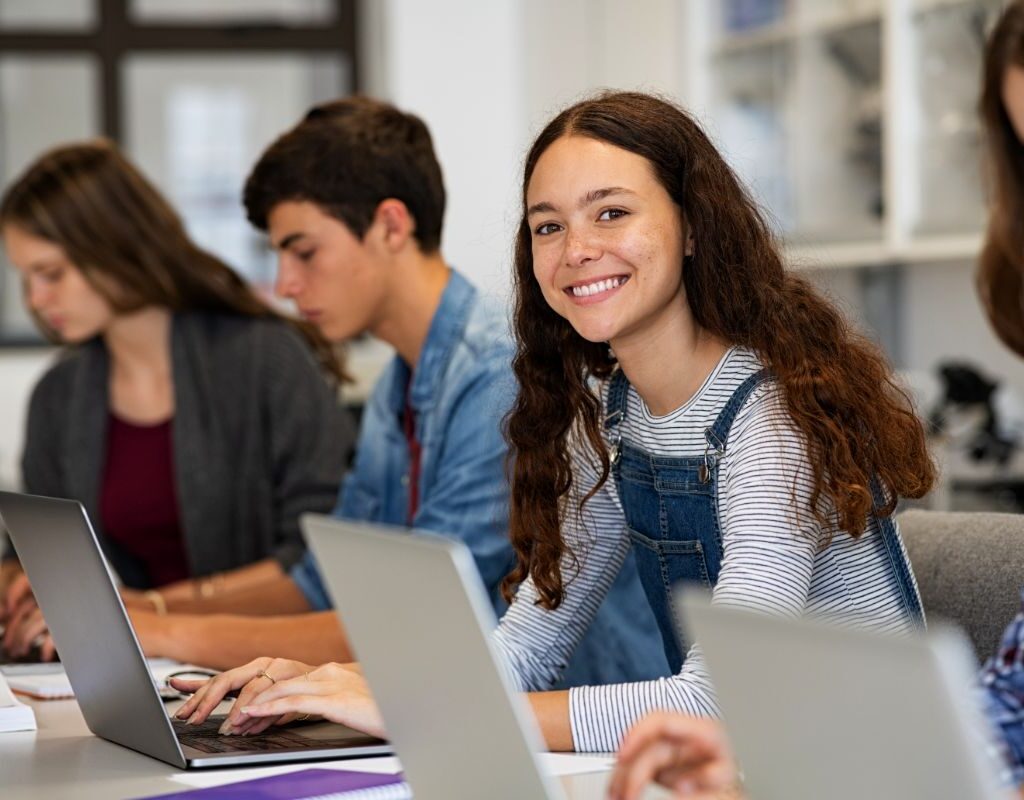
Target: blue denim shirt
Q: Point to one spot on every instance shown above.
(461, 390)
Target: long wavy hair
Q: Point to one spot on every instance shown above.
(128, 242)
(837, 386)
(1000, 274)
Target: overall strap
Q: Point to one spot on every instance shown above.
(718, 434)
(618, 392)
(897, 557)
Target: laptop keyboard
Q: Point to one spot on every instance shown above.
(206, 739)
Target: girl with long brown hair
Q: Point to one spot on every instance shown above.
(685, 397)
(193, 421)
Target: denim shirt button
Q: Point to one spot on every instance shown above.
(405, 480)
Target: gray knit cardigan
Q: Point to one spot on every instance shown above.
(258, 438)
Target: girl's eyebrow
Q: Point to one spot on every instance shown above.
(545, 207)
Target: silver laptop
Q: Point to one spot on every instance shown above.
(818, 711)
(114, 688)
(420, 623)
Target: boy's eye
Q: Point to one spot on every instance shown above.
(546, 229)
(306, 255)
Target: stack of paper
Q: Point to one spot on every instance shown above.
(14, 716)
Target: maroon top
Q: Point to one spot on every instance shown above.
(415, 454)
(139, 500)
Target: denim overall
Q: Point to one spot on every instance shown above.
(671, 509)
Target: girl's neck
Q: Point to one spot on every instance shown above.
(139, 343)
(668, 363)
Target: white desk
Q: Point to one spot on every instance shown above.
(64, 760)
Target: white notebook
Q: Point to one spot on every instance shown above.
(41, 686)
(14, 715)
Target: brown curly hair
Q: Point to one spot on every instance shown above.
(1000, 275)
(837, 386)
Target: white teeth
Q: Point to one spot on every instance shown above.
(597, 287)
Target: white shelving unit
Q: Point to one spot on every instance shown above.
(853, 121)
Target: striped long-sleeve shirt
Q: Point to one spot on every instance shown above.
(776, 557)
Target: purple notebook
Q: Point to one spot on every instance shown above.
(307, 783)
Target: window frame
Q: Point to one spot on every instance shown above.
(116, 36)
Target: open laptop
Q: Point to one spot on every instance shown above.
(114, 688)
(815, 710)
(420, 623)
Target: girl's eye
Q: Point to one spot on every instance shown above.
(612, 213)
(53, 276)
(306, 256)
(547, 228)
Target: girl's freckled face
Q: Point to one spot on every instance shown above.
(607, 240)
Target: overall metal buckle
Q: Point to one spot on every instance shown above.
(704, 471)
(616, 449)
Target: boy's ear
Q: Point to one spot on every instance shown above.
(394, 223)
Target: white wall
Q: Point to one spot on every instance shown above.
(944, 321)
(457, 64)
(19, 371)
(576, 46)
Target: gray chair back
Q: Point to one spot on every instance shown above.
(969, 568)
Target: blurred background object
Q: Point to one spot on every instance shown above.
(853, 121)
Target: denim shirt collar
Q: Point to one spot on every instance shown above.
(445, 331)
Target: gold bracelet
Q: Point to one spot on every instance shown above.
(157, 599)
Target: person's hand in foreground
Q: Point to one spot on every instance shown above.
(15, 591)
(689, 755)
(24, 626)
(278, 691)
